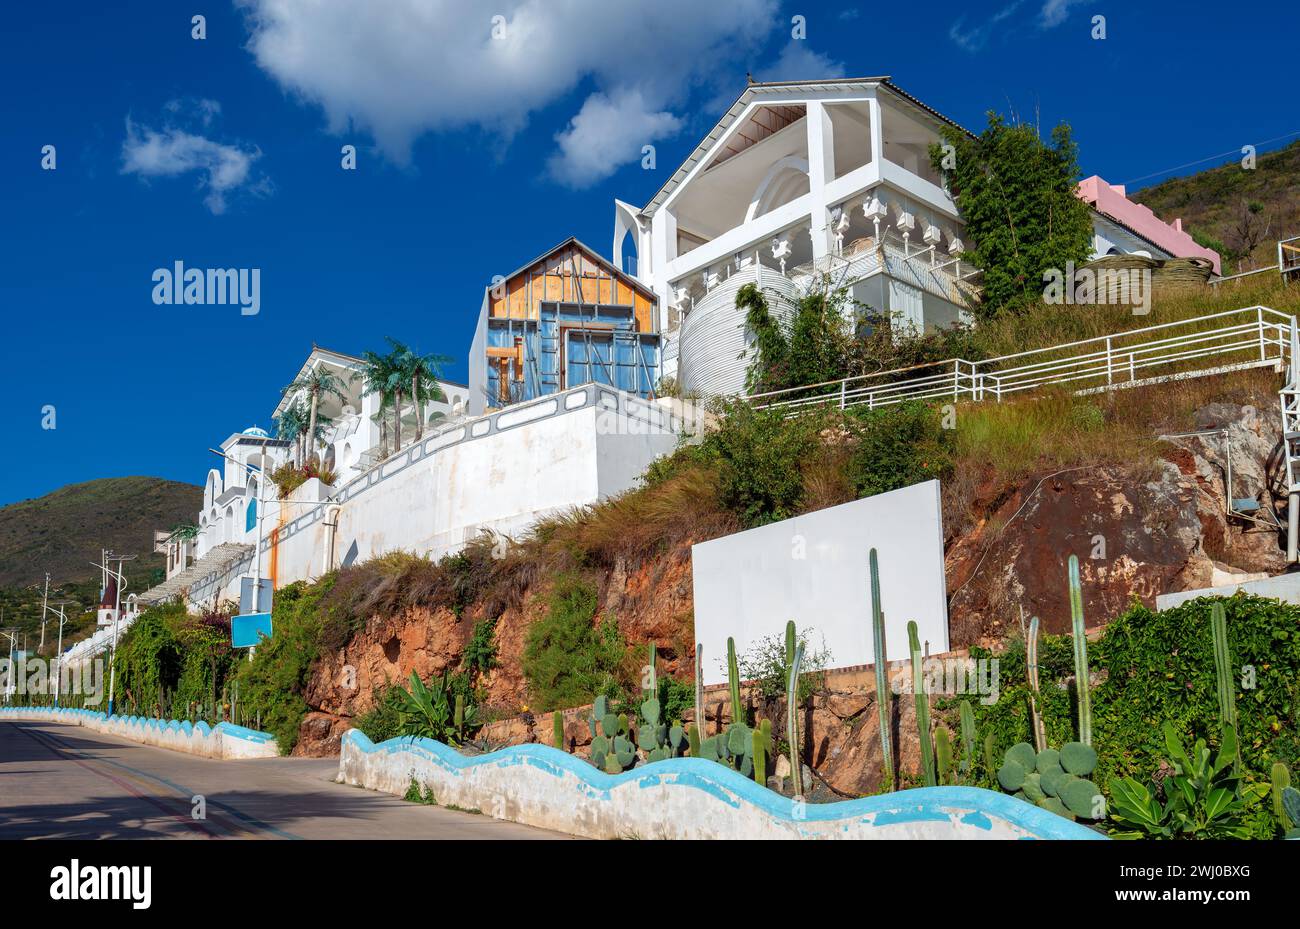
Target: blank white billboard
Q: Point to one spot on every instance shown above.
(813, 569)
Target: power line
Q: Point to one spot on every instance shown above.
(1192, 164)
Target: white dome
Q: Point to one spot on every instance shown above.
(257, 432)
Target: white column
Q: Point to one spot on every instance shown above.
(821, 169)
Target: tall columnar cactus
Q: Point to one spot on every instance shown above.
(733, 681)
(1223, 666)
(922, 706)
(967, 738)
(791, 638)
(699, 695)
(652, 683)
(792, 721)
(557, 729)
(1081, 684)
(881, 658)
(943, 756)
(762, 749)
(1281, 779)
(1031, 665)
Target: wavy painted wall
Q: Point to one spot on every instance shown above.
(225, 740)
(681, 798)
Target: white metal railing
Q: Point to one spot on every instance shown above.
(1254, 336)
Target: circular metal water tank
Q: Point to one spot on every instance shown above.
(715, 345)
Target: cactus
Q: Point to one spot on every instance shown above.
(699, 695)
(458, 718)
(1223, 666)
(792, 721)
(922, 706)
(1080, 654)
(557, 730)
(967, 715)
(1281, 780)
(611, 749)
(693, 737)
(733, 681)
(760, 749)
(990, 762)
(1055, 781)
(881, 658)
(653, 689)
(943, 756)
(1031, 665)
(1291, 809)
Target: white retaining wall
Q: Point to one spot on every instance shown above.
(223, 741)
(681, 798)
(500, 472)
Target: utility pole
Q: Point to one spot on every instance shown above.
(117, 609)
(45, 600)
(9, 677)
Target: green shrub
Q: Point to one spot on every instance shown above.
(274, 682)
(568, 658)
(1158, 667)
(897, 446)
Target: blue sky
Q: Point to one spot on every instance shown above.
(475, 154)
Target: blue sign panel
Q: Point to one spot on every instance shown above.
(247, 630)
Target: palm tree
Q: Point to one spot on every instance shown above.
(317, 383)
(380, 375)
(290, 424)
(422, 371)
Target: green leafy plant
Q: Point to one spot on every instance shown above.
(568, 657)
(1017, 197)
(611, 749)
(437, 712)
(1203, 798)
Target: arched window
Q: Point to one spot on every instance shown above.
(250, 515)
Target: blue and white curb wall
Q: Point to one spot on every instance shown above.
(222, 741)
(681, 798)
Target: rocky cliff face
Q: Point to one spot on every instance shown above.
(1137, 531)
(652, 602)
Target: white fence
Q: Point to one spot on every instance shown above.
(1251, 337)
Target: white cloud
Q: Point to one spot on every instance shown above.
(1055, 12)
(406, 67)
(608, 131)
(976, 37)
(171, 152)
(798, 62)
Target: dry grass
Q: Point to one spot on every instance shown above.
(1052, 325)
(1000, 445)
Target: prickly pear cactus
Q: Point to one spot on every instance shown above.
(1054, 780)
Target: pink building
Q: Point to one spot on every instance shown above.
(1129, 219)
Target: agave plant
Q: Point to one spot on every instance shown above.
(1203, 798)
(435, 713)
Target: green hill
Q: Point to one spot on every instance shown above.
(63, 532)
(1239, 213)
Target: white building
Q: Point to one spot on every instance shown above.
(801, 181)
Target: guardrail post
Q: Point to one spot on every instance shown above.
(1259, 321)
(842, 384)
(1109, 379)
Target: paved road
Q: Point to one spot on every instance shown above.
(62, 781)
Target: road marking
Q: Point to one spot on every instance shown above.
(234, 829)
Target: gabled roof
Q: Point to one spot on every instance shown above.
(590, 253)
(757, 89)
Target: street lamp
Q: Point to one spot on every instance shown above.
(117, 612)
(58, 653)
